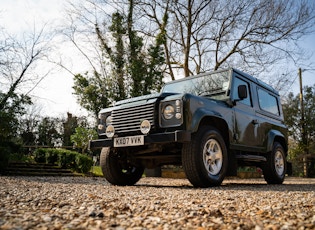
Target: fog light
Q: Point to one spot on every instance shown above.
(145, 127)
(110, 131)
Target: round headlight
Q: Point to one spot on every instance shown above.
(168, 112)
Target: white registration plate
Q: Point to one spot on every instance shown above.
(129, 141)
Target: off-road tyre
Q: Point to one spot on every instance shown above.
(205, 158)
(274, 168)
(117, 170)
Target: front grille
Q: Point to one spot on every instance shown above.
(127, 120)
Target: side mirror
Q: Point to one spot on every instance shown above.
(242, 92)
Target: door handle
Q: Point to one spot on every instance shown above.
(255, 122)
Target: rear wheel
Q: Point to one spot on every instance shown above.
(205, 158)
(117, 169)
(275, 167)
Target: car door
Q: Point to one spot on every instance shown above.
(246, 124)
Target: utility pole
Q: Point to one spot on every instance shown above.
(303, 133)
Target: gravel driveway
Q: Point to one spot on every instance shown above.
(154, 203)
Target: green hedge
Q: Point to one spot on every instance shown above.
(83, 163)
(64, 158)
(40, 155)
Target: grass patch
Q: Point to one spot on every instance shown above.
(96, 171)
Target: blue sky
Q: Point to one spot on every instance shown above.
(55, 92)
(308, 75)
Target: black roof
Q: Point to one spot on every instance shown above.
(257, 81)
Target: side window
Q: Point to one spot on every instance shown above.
(238, 82)
(268, 102)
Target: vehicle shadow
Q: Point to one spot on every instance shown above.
(293, 184)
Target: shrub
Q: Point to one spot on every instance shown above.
(40, 155)
(64, 158)
(51, 156)
(83, 163)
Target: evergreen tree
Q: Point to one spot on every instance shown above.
(292, 114)
(93, 92)
(49, 133)
(10, 114)
(135, 69)
(80, 138)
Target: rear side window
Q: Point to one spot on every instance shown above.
(268, 102)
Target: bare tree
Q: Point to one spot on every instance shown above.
(208, 35)
(18, 59)
(205, 35)
(84, 18)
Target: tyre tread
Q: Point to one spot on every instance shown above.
(191, 163)
(110, 169)
(270, 174)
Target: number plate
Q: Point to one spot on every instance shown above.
(129, 141)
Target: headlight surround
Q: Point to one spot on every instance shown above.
(109, 120)
(171, 112)
(168, 112)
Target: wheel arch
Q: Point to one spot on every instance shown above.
(217, 123)
(276, 136)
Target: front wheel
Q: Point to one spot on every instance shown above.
(205, 158)
(275, 167)
(117, 170)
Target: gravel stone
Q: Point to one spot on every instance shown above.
(155, 203)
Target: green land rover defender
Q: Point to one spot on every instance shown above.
(210, 124)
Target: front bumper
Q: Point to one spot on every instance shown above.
(169, 137)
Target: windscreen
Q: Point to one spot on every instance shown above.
(213, 85)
